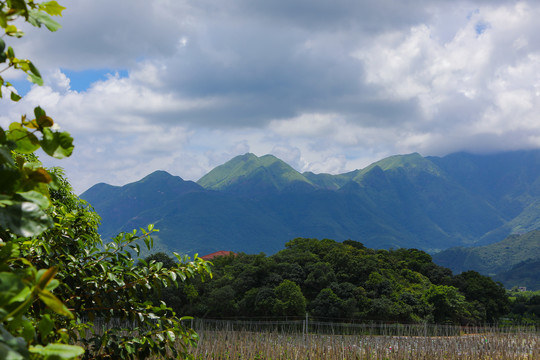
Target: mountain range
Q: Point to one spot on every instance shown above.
(514, 261)
(256, 204)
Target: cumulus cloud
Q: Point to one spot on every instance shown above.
(326, 86)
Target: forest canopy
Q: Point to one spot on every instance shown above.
(340, 282)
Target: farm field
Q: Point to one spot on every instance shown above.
(468, 344)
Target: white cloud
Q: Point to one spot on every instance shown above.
(325, 86)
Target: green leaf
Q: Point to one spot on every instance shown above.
(37, 198)
(26, 142)
(34, 69)
(35, 79)
(21, 296)
(52, 8)
(5, 155)
(12, 30)
(39, 112)
(24, 219)
(38, 18)
(45, 121)
(58, 351)
(3, 19)
(17, 5)
(28, 333)
(57, 144)
(2, 45)
(15, 97)
(45, 325)
(54, 303)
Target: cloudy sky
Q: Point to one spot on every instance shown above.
(327, 86)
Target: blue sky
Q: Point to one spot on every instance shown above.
(328, 86)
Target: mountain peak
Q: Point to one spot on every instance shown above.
(410, 164)
(159, 175)
(251, 173)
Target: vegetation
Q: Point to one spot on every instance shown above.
(56, 274)
(525, 306)
(346, 281)
(387, 342)
(497, 258)
(524, 274)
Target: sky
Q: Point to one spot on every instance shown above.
(326, 86)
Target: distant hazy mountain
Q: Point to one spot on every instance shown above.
(494, 258)
(255, 204)
(515, 261)
(524, 274)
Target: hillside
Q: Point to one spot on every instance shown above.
(525, 274)
(255, 204)
(492, 259)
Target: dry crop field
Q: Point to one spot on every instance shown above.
(492, 345)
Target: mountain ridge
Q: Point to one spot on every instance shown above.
(255, 204)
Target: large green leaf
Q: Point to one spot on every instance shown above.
(24, 218)
(57, 144)
(26, 141)
(54, 303)
(37, 198)
(57, 351)
(38, 18)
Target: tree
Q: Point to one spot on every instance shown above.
(289, 299)
(490, 297)
(326, 305)
(448, 303)
(56, 274)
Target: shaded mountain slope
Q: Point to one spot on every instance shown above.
(255, 204)
(494, 258)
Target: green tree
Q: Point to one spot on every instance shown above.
(289, 299)
(56, 274)
(326, 305)
(449, 305)
(490, 297)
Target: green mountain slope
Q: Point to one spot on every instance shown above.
(135, 205)
(255, 204)
(525, 274)
(329, 181)
(409, 165)
(494, 258)
(248, 173)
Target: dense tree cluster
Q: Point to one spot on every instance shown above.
(525, 306)
(332, 280)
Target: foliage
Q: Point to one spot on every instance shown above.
(489, 297)
(525, 306)
(289, 299)
(345, 281)
(57, 278)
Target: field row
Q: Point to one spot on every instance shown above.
(268, 345)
